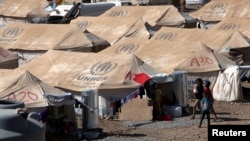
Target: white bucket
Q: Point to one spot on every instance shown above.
(177, 111)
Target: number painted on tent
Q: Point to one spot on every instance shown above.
(201, 61)
(23, 96)
(129, 76)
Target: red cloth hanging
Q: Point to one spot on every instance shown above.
(141, 78)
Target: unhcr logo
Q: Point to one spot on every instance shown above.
(127, 48)
(166, 36)
(84, 24)
(218, 6)
(119, 13)
(230, 26)
(12, 32)
(102, 68)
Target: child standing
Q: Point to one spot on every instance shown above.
(207, 90)
(206, 106)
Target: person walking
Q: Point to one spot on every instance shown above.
(207, 90)
(206, 107)
(198, 92)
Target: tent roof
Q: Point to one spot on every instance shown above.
(215, 39)
(166, 56)
(237, 24)
(20, 8)
(221, 40)
(172, 34)
(166, 15)
(114, 27)
(78, 71)
(25, 87)
(217, 10)
(203, 59)
(126, 45)
(49, 36)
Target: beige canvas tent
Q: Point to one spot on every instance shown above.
(18, 10)
(160, 53)
(186, 61)
(49, 36)
(25, 87)
(110, 77)
(225, 78)
(80, 71)
(30, 42)
(217, 10)
(159, 15)
(218, 40)
(112, 28)
(204, 59)
(236, 23)
(192, 59)
(8, 59)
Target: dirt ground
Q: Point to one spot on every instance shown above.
(236, 114)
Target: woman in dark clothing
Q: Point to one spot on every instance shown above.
(198, 92)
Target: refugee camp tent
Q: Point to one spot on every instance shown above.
(185, 60)
(221, 41)
(233, 43)
(217, 10)
(159, 53)
(70, 70)
(37, 96)
(193, 59)
(25, 87)
(114, 27)
(159, 15)
(49, 36)
(111, 76)
(18, 11)
(206, 64)
(204, 59)
(30, 42)
(128, 45)
(236, 24)
(8, 59)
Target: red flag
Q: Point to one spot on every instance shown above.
(141, 78)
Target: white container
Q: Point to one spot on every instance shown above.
(177, 111)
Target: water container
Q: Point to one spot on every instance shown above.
(177, 111)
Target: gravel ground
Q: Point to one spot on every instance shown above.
(182, 128)
(178, 129)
